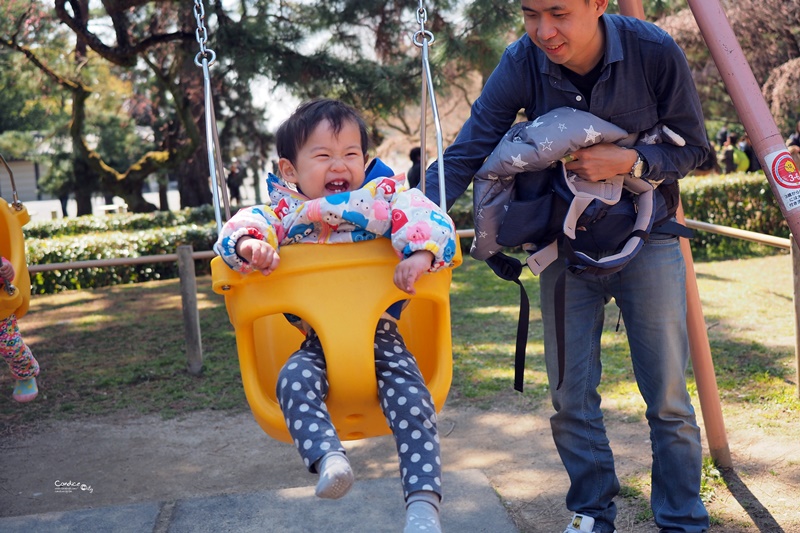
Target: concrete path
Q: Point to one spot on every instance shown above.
(372, 506)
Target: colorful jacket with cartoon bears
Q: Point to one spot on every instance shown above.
(382, 207)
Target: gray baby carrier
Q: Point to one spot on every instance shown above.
(524, 196)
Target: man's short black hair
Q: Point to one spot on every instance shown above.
(293, 133)
(414, 154)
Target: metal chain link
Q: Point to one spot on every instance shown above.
(202, 36)
(422, 18)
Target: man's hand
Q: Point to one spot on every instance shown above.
(601, 161)
(261, 255)
(409, 270)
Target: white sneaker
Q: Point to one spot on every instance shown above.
(581, 524)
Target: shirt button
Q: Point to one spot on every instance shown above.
(579, 98)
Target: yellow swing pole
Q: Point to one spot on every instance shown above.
(699, 346)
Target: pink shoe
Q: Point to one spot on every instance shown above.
(25, 390)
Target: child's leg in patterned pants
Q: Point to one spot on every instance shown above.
(15, 352)
(302, 389)
(409, 410)
(303, 386)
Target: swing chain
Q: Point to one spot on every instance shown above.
(423, 39)
(202, 36)
(422, 18)
(15, 203)
(205, 58)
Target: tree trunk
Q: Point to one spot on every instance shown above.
(131, 192)
(193, 183)
(85, 185)
(163, 201)
(193, 174)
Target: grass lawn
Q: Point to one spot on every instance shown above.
(121, 349)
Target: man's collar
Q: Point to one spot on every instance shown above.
(614, 49)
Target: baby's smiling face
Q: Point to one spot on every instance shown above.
(329, 162)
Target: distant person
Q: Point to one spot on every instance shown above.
(64, 200)
(731, 158)
(795, 151)
(747, 147)
(235, 179)
(413, 172)
(794, 138)
(721, 138)
(15, 352)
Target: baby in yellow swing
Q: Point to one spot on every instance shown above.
(334, 198)
(15, 352)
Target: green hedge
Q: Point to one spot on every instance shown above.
(113, 236)
(744, 201)
(130, 222)
(741, 200)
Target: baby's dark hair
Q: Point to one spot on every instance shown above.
(295, 130)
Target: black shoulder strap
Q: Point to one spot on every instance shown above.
(675, 228)
(510, 269)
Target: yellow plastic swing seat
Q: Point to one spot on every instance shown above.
(341, 290)
(12, 247)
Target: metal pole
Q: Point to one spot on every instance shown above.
(783, 177)
(699, 347)
(703, 364)
(631, 8)
(795, 253)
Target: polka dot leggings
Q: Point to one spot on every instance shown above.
(405, 401)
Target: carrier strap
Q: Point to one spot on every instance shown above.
(673, 227)
(510, 269)
(560, 303)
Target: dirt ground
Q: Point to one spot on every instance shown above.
(139, 459)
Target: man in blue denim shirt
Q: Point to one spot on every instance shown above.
(632, 74)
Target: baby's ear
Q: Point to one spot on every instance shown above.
(287, 170)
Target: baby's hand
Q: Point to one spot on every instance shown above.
(409, 270)
(6, 270)
(261, 255)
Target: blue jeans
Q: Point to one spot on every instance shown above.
(650, 292)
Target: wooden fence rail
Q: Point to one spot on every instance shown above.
(191, 317)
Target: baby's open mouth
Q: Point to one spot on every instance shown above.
(336, 186)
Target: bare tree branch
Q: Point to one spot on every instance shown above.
(125, 53)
